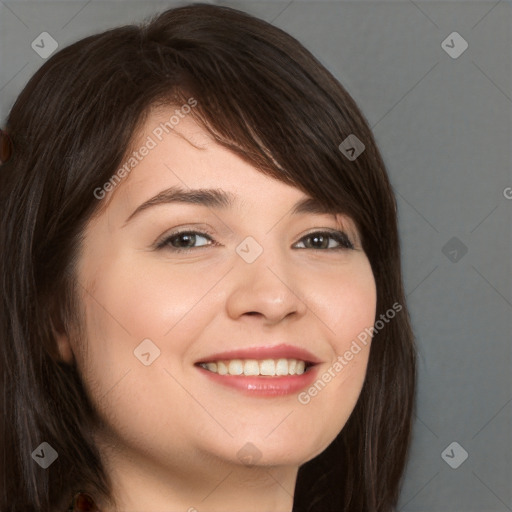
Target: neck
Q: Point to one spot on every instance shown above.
(197, 484)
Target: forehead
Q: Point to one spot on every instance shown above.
(185, 155)
(176, 119)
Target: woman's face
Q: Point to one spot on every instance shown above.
(255, 281)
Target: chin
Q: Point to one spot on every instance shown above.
(279, 452)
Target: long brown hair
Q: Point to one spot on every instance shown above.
(261, 94)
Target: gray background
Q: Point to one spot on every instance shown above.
(444, 128)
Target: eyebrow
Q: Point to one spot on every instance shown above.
(220, 199)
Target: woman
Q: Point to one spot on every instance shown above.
(202, 296)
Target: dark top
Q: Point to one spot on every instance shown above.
(83, 502)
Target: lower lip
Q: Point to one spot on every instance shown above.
(263, 385)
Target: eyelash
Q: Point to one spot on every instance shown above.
(339, 236)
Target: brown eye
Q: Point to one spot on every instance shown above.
(184, 241)
(322, 240)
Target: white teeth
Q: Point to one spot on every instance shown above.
(222, 369)
(235, 367)
(248, 367)
(282, 367)
(212, 367)
(251, 367)
(268, 367)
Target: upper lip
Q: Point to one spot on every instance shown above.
(282, 351)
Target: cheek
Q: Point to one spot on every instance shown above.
(347, 310)
(138, 298)
(347, 303)
(129, 395)
(132, 299)
(352, 320)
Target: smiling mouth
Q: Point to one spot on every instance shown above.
(255, 367)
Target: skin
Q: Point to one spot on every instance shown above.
(170, 437)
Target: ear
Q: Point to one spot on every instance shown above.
(62, 341)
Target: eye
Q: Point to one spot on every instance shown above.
(322, 240)
(184, 241)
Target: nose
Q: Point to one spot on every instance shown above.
(267, 289)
